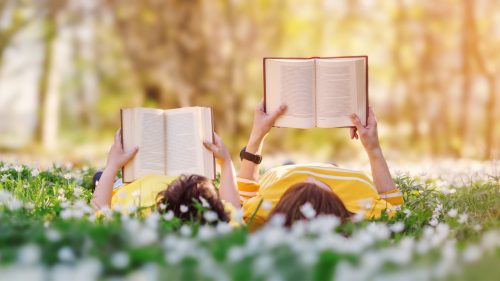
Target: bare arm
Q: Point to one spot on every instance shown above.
(262, 124)
(117, 158)
(369, 138)
(228, 190)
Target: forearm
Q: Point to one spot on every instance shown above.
(248, 169)
(380, 171)
(104, 189)
(228, 190)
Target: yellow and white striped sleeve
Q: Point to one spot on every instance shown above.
(394, 197)
(247, 189)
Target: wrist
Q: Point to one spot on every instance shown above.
(254, 146)
(375, 152)
(112, 168)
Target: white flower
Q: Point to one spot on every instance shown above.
(223, 228)
(359, 216)
(136, 194)
(185, 230)
(18, 169)
(120, 260)
(184, 208)
(4, 178)
(67, 176)
(462, 218)
(131, 208)
(397, 227)
(66, 254)
(366, 203)
(35, 173)
(205, 232)
(472, 253)
(308, 210)
(52, 235)
(237, 216)
(29, 205)
(28, 254)
(77, 191)
(277, 220)
(210, 216)
(478, 227)
(162, 206)
(235, 254)
(266, 205)
(433, 221)
(204, 202)
(14, 204)
(452, 213)
(168, 216)
(407, 212)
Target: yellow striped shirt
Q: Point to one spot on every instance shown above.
(355, 189)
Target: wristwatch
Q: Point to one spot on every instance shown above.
(250, 156)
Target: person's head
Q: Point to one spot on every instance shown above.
(318, 194)
(184, 193)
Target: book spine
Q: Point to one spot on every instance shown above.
(121, 137)
(213, 140)
(264, 79)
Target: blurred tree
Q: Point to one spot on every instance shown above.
(48, 111)
(17, 19)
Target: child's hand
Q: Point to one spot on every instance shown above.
(219, 149)
(117, 157)
(263, 122)
(368, 134)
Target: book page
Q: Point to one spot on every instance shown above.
(128, 141)
(336, 92)
(183, 142)
(207, 134)
(291, 82)
(150, 134)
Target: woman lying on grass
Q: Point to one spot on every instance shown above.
(305, 190)
(181, 195)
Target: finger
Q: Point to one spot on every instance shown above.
(130, 154)
(372, 120)
(118, 136)
(355, 120)
(260, 106)
(210, 146)
(278, 112)
(352, 132)
(217, 139)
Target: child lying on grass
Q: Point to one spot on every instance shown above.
(303, 191)
(179, 195)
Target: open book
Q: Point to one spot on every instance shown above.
(170, 141)
(318, 92)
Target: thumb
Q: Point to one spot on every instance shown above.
(130, 154)
(210, 146)
(278, 112)
(355, 120)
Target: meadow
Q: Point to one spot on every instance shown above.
(446, 230)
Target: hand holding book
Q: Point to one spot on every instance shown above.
(219, 149)
(368, 134)
(117, 156)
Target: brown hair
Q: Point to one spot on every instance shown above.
(189, 190)
(324, 202)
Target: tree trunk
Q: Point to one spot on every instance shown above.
(467, 25)
(47, 90)
(490, 119)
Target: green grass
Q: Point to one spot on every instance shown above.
(43, 215)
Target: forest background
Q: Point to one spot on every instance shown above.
(67, 67)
